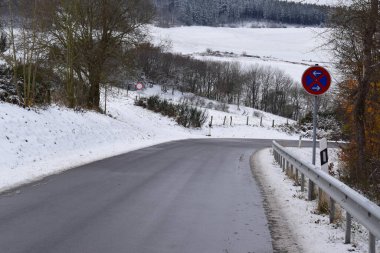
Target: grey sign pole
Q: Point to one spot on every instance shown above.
(315, 122)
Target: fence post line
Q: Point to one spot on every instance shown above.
(332, 210)
(347, 239)
(372, 243)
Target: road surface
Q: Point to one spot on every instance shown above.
(193, 196)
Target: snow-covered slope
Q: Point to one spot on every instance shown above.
(38, 142)
(290, 49)
(322, 2)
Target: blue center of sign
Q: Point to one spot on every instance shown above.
(316, 81)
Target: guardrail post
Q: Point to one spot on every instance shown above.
(310, 190)
(297, 175)
(287, 168)
(348, 228)
(283, 164)
(291, 171)
(302, 182)
(332, 210)
(372, 243)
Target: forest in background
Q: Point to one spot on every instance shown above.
(222, 12)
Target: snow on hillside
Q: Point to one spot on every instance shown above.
(290, 49)
(239, 114)
(322, 2)
(39, 142)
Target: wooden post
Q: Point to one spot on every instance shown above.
(348, 228)
(272, 123)
(332, 210)
(231, 121)
(372, 243)
(212, 117)
(224, 122)
(310, 190)
(261, 121)
(247, 120)
(302, 182)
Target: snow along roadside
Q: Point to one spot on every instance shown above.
(294, 224)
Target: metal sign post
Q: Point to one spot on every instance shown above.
(316, 81)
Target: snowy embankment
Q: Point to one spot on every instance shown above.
(289, 49)
(39, 142)
(313, 231)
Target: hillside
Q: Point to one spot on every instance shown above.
(290, 49)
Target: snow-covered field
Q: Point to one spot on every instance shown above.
(321, 2)
(312, 231)
(289, 49)
(38, 142)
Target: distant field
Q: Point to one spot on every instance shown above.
(290, 49)
(321, 2)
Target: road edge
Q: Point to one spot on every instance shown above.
(283, 239)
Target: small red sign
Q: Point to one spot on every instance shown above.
(139, 86)
(316, 80)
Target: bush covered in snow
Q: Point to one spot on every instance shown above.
(185, 115)
(328, 127)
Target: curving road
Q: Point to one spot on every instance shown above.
(186, 196)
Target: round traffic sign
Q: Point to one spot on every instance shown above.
(139, 86)
(316, 80)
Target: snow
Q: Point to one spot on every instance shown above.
(40, 142)
(289, 49)
(322, 2)
(313, 231)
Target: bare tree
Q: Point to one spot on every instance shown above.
(88, 35)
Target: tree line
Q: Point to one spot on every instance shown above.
(265, 88)
(219, 12)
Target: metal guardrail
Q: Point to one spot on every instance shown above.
(362, 209)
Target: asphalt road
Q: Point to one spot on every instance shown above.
(195, 196)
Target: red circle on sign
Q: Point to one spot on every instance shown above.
(139, 86)
(316, 80)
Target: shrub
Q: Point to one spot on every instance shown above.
(153, 103)
(184, 114)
